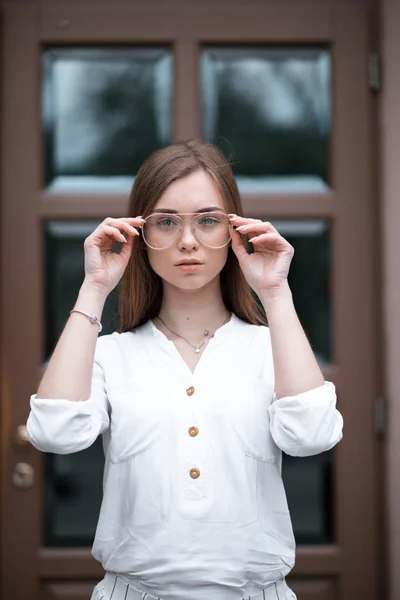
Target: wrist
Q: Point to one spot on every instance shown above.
(279, 295)
(91, 298)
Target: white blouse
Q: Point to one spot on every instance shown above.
(194, 505)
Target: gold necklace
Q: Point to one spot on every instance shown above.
(197, 347)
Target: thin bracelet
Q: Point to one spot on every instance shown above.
(92, 318)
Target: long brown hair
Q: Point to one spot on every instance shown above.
(141, 288)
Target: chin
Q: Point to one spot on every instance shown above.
(190, 281)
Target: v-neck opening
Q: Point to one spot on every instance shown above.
(157, 332)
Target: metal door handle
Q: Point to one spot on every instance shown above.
(23, 476)
(21, 436)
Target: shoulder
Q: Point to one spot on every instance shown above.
(121, 356)
(115, 343)
(252, 351)
(256, 334)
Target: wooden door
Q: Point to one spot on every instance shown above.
(88, 90)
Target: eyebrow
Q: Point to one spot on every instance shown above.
(170, 211)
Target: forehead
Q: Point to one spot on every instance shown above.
(190, 194)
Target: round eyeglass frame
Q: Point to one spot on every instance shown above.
(180, 215)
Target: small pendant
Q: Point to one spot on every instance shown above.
(197, 350)
(206, 332)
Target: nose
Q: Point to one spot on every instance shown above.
(187, 240)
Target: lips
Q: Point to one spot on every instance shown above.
(184, 263)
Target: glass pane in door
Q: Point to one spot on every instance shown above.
(72, 496)
(269, 109)
(309, 489)
(104, 110)
(309, 279)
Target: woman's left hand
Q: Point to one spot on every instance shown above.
(267, 268)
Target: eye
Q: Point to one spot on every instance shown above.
(165, 222)
(208, 220)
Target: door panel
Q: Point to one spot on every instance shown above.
(319, 198)
(66, 590)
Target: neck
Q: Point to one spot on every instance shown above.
(191, 311)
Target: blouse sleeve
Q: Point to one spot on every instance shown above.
(304, 424)
(65, 426)
(308, 423)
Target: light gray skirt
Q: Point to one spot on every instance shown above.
(112, 587)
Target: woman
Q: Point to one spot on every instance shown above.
(196, 397)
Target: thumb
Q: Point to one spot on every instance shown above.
(126, 249)
(238, 246)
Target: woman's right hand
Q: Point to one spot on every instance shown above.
(104, 268)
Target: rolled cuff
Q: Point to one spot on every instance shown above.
(308, 423)
(64, 426)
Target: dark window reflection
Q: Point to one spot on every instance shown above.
(309, 489)
(104, 110)
(309, 279)
(72, 496)
(268, 109)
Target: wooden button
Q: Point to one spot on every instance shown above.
(190, 391)
(194, 473)
(193, 431)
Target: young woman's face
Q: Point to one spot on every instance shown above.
(191, 194)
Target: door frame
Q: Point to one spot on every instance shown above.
(347, 569)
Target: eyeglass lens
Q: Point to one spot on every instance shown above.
(211, 229)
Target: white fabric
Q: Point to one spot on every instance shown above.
(113, 587)
(227, 533)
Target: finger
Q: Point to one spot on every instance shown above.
(236, 220)
(114, 233)
(124, 222)
(238, 246)
(126, 249)
(271, 240)
(134, 220)
(117, 219)
(240, 223)
(123, 225)
(130, 230)
(256, 227)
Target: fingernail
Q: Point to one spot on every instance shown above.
(241, 227)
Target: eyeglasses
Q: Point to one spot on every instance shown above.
(212, 229)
